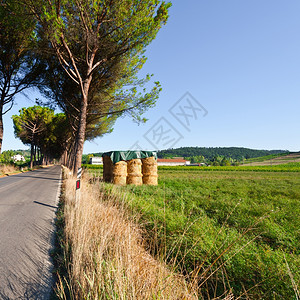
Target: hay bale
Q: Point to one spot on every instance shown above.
(136, 180)
(134, 166)
(119, 180)
(149, 160)
(115, 173)
(120, 173)
(107, 177)
(150, 179)
(120, 168)
(134, 170)
(107, 169)
(150, 171)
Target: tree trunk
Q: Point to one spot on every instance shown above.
(71, 156)
(64, 158)
(80, 135)
(31, 154)
(39, 156)
(34, 153)
(1, 127)
(82, 124)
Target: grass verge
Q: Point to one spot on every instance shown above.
(8, 169)
(237, 223)
(102, 251)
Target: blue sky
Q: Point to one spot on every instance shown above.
(239, 61)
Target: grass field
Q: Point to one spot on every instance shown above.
(227, 229)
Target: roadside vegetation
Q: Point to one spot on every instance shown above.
(8, 169)
(224, 230)
(103, 253)
(7, 165)
(10, 166)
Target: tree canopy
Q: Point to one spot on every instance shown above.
(100, 46)
(18, 67)
(44, 131)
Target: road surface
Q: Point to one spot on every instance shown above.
(28, 203)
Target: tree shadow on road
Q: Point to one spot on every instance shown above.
(44, 204)
(27, 273)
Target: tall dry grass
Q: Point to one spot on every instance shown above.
(105, 255)
(7, 169)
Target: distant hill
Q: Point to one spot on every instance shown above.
(237, 153)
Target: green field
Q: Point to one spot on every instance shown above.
(227, 228)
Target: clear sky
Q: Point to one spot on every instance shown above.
(230, 72)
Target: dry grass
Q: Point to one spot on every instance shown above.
(106, 257)
(7, 169)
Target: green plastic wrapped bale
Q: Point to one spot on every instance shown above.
(117, 156)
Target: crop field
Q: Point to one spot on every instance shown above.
(225, 228)
(275, 159)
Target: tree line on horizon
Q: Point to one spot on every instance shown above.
(216, 154)
(84, 58)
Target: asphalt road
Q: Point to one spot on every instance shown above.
(28, 203)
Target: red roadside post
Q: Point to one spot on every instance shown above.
(77, 184)
(77, 192)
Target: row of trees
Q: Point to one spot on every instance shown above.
(43, 130)
(84, 56)
(212, 153)
(6, 157)
(215, 161)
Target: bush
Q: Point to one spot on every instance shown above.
(6, 156)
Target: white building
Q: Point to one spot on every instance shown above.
(172, 162)
(18, 157)
(96, 161)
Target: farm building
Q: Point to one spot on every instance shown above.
(172, 162)
(96, 161)
(18, 157)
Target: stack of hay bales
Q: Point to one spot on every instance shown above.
(150, 171)
(134, 171)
